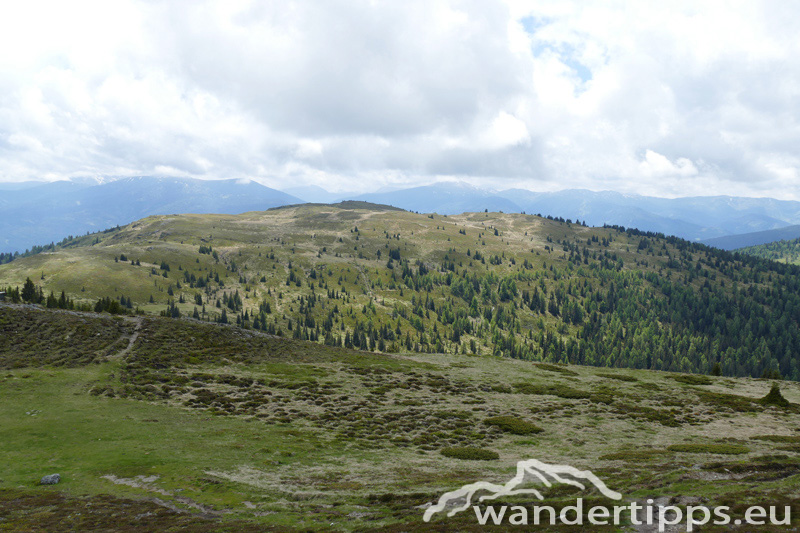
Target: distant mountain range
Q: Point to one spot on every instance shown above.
(734, 242)
(34, 213)
(693, 218)
(37, 214)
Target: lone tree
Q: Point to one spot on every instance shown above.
(29, 293)
(774, 397)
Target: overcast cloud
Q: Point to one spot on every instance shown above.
(669, 99)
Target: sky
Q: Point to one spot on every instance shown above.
(658, 98)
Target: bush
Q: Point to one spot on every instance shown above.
(514, 425)
(734, 402)
(562, 391)
(774, 397)
(723, 449)
(779, 438)
(555, 368)
(602, 397)
(619, 377)
(635, 455)
(692, 379)
(470, 454)
(640, 412)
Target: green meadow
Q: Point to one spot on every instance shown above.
(196, 426)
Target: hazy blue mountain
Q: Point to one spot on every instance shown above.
(732, 242)
(693, 218)
(43, 212)
(442, 198)
(18, 185)
(38, 191)
(51, 211)
(316, 194)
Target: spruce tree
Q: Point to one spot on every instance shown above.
(29, 291)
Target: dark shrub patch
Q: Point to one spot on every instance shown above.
(556, 368)
(618, 377)
(692, 379)
(741, 404)
(472, 454)
(724, 449)
(602, 397)
(790, 439)
(640, 412)
(511, 424)
(562, 391)
(635, 455)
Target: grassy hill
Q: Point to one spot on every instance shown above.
(180, 425)
(377, 278)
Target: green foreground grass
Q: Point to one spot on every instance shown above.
(228, 430)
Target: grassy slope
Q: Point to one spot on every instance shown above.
(323, 239)
(292, 234)
(280, 433)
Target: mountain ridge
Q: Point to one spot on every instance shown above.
(745, 240)
(49, 212)
(39, 213)
(502, 284)
(693, 218)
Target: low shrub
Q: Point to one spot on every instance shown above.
(562, 391)
(692, 379)
(734, 402)
(722, 449)
(470, 454)
(789, 439)
(618, 377)
(649, 386)
(602, 397)
(794, 448)
(640, 412)
(511, 424)
(556, 368)
(635, 455)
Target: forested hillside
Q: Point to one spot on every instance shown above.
(375, 278)
(787, 251)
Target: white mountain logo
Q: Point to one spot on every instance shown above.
(527, 470)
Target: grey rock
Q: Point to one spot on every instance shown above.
(52, 479)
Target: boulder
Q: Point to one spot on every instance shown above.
(52, 479)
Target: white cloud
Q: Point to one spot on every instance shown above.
(641, 97)
(506, 130)
(655, 165)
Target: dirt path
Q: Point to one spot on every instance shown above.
(146, 483)
(365, 283)
(131, 340)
